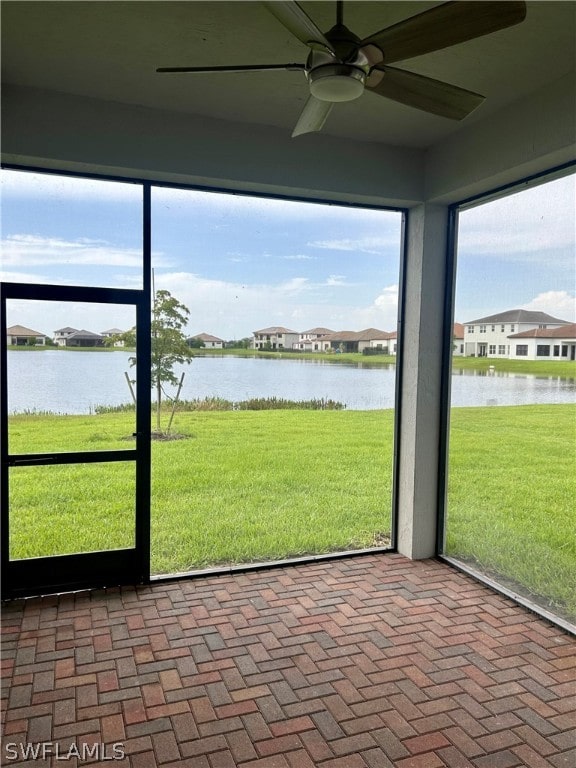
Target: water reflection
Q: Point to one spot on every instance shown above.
(75, 382)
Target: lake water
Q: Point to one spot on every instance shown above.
(75, 382)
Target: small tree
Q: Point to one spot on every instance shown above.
(168, 343)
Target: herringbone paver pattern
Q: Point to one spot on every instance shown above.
(373, 661)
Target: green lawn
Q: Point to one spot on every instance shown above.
(259, 485)
(511, 496)
(245, 486)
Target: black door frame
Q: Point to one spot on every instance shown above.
(59, 573)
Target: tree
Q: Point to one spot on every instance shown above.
(244, 343)
(168, 343)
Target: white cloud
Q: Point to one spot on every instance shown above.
(524, 226)
(7, 276)
(336, 280)
(55, 187)
(226, 309)
(22, 250)
(298, 257)
(232, 310)
(559, 304)
(382, 313)
(234, 203)
(295, 285)
(362, 244)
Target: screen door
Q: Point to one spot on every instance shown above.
(75, 439)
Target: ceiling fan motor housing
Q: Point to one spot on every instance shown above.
(336, 82)
(337, 75)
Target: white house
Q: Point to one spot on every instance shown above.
(18, 336)
(275, 337)
(544, 344)
(312, 340)
(210, 342)
(113, 332)
(71, 337)
(382, 340)
(490, 336)
(62, 334)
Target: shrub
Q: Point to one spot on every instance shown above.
(220, 404)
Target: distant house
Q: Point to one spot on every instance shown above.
(19, 336)
(458, 340)
(357, 341)
(113, 332)
(62, 334)
(544, 344)
(490, 336)
(210, 342)
(382, 340)
(70, 337)
(275, 337)
(393, 342)
(311, 340)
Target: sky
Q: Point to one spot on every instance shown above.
(241, 263)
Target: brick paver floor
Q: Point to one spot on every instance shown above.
(370, 661)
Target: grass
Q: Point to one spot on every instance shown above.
(260, 485)
(565, 369)
(511, 492)
(246, 485)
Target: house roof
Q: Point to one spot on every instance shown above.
(343, 336)
(112, 332)
(458, 331)
(368, 334)
(206, 337)
(67, 329)
(518, 316)
(274, 329)
(83, 334)
(318, 331)
(565, 332)
(20, 330)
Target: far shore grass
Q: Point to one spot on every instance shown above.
(255, 486)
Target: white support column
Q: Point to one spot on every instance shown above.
(425, 277)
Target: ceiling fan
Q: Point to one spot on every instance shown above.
(340, 65)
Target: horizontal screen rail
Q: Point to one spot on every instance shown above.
(81, 457)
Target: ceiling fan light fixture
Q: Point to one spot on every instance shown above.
(336, 82)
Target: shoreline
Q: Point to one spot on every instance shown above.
(485, 365)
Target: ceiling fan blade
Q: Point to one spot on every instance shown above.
(423, 92)
(239, 68)
(313, 116)
(298, 23)
(445, 25)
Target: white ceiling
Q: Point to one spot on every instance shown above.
(110, 50)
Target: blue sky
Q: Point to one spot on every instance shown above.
(241, 263)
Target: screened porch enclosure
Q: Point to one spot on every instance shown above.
(110, 121)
